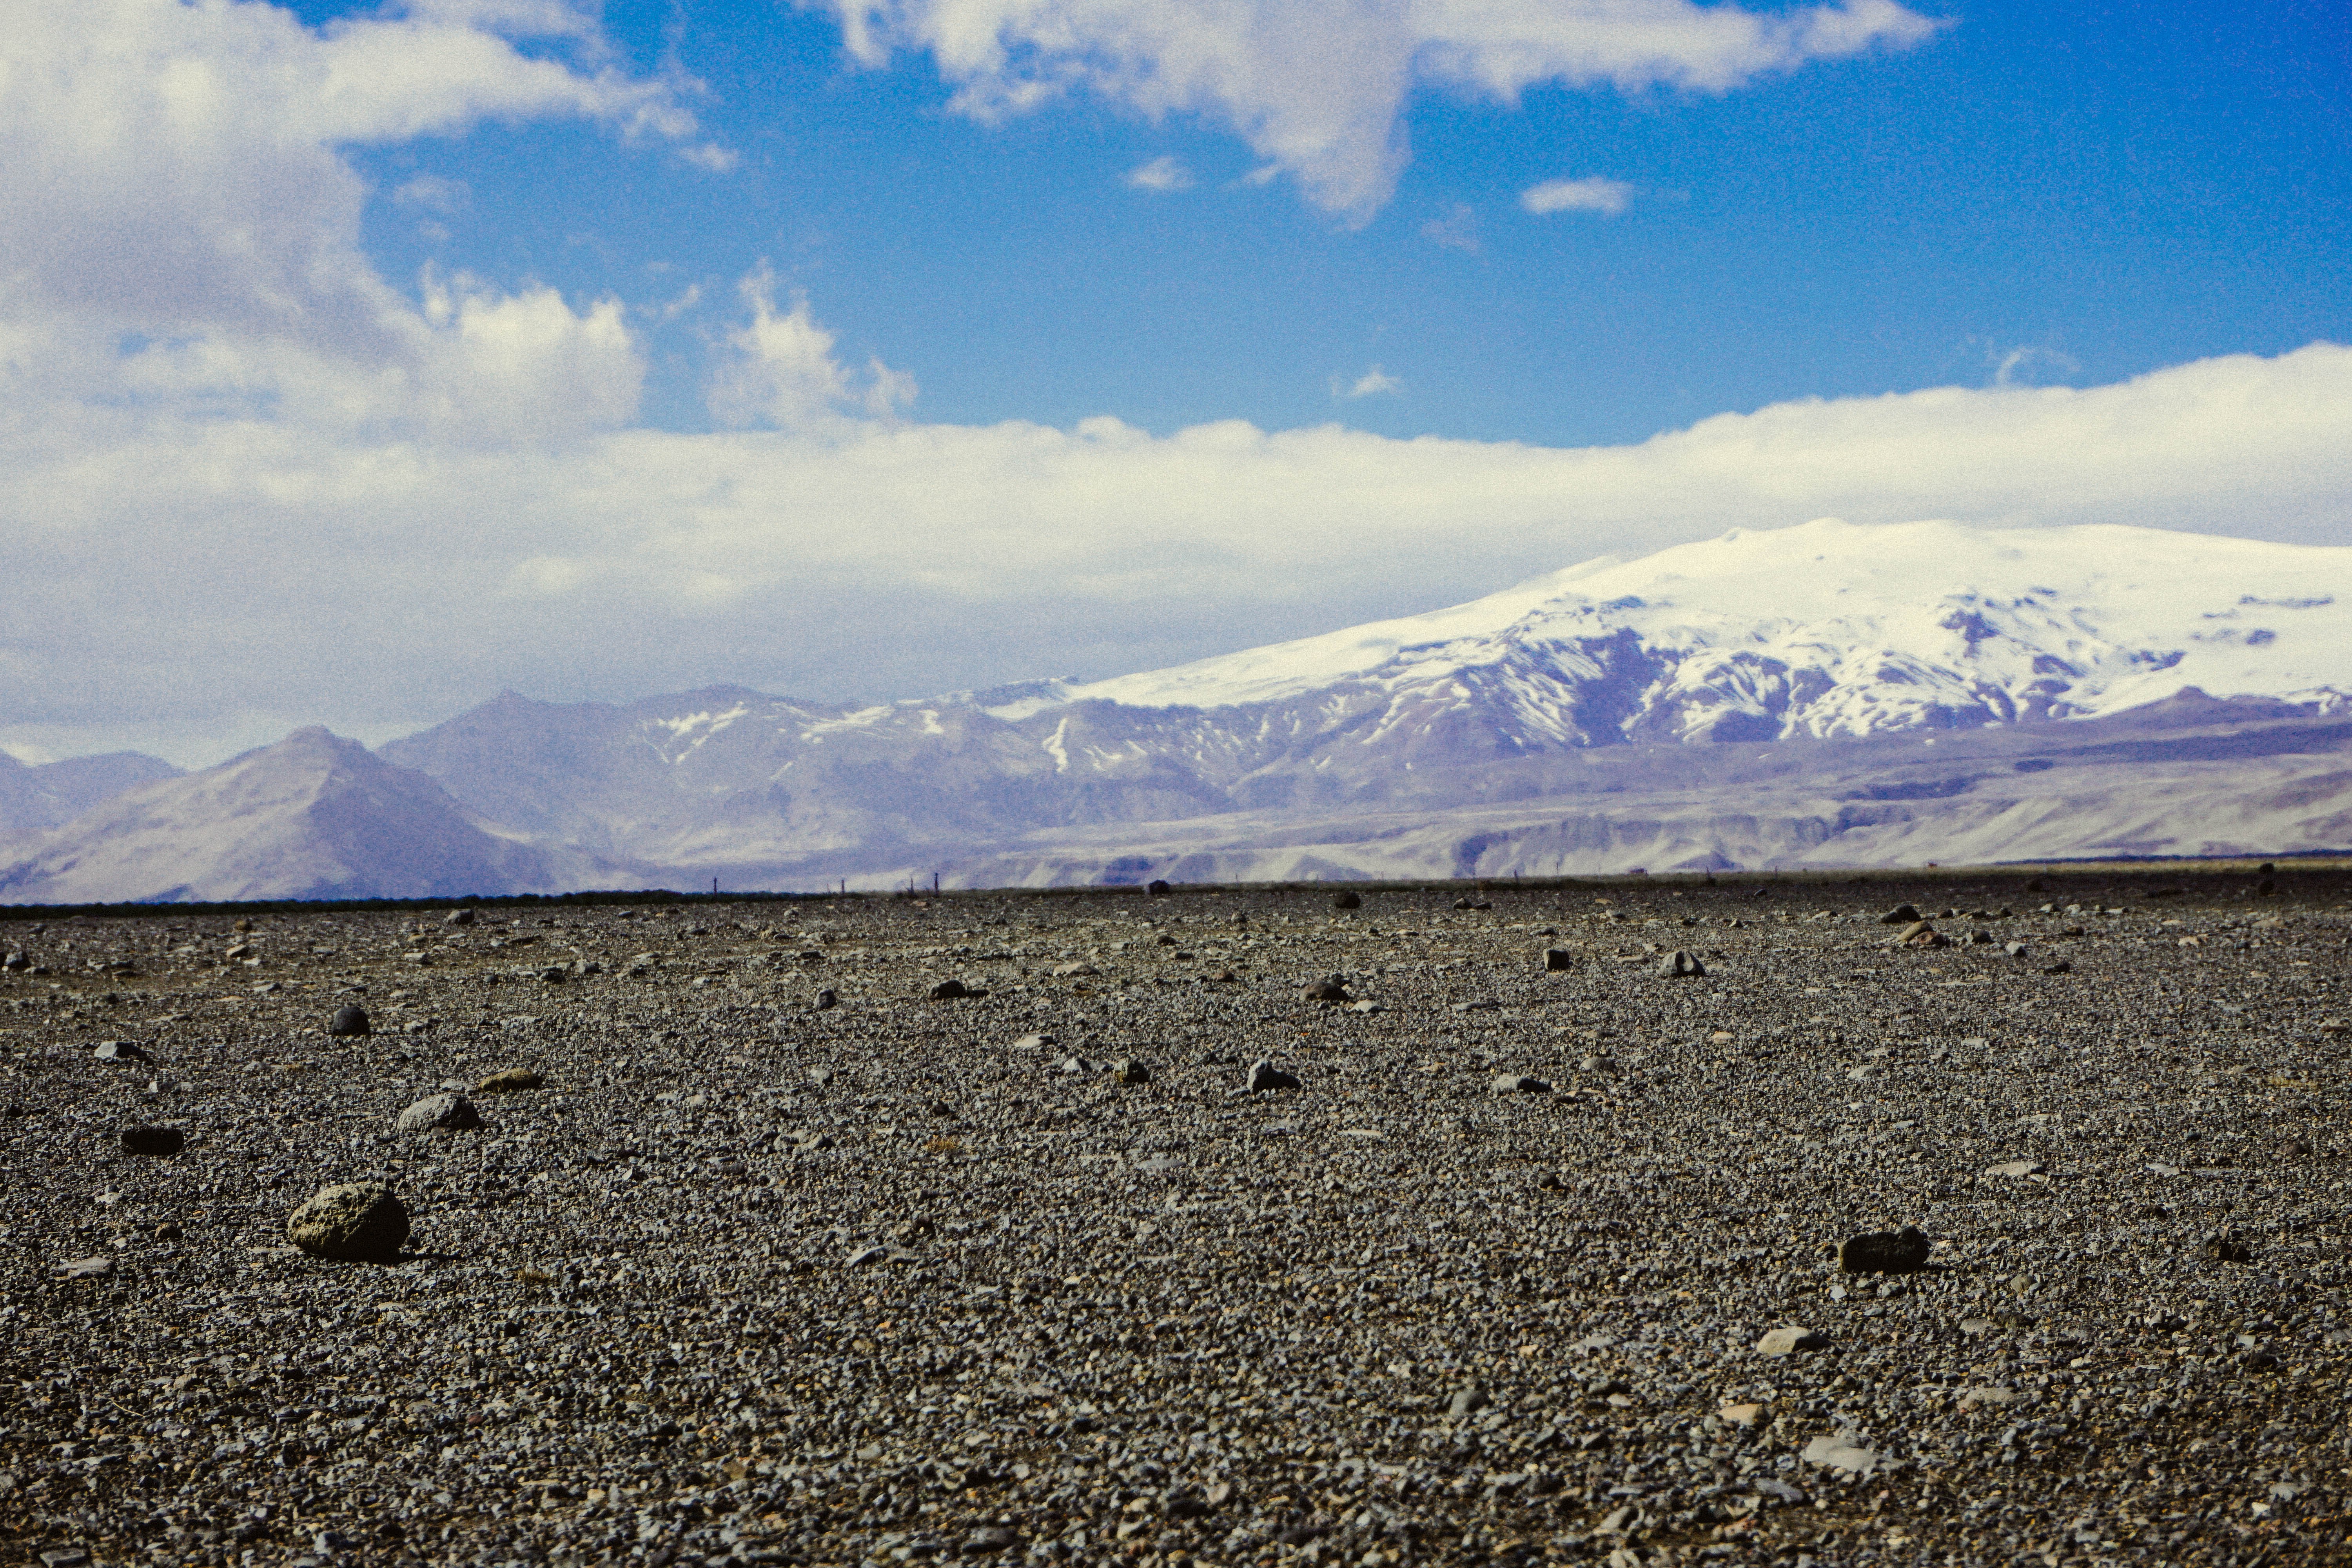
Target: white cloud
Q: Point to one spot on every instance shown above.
(1457, 230)
(1372, 383)
(1591, 195)
(2028, 364)
(1320, 87)
(432, 193)
(252, 574)
(711, 158)
(781, 371)
(1161, 175)
(170, 176)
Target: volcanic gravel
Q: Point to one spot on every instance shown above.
(1536, 1263)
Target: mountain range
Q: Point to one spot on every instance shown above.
(1822, 695)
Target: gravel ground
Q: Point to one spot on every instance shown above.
(753, 1278)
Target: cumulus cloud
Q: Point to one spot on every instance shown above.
(1162, 174)
(781, 371)
(1320, 87)
(177, 218)
(251, 575)
(1588, 196)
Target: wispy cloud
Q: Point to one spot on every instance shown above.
(1162, 174)
(710, 158)
(431, 192)
(1593, 195)
(1371, 384)
(1456, 229)
(2028, 364)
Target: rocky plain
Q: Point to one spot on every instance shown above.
(729, 1232)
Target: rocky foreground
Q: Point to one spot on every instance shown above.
(758, 1253)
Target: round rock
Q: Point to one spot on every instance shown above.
(440, 1113)
(358, 1222)
(1128, 1070)
(351, 1020)
(1348, 901)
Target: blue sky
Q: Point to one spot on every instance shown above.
(2053, 193)
(359, 363)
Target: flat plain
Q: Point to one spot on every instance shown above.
(785, 1259)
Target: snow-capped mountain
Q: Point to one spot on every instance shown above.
(1826, 631)
(1921, 690)
(314, 816)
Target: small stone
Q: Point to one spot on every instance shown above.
(351, 1020)
(2015, 950)
(1974, 1397)
(824, 998)
(1740, 1415)
(1325, 991)
(2015, 1168)
(458, 918)
(1070, 1067)
(1264, 1076)
(1920, 933)
(865, 1256)
(1517, 1083)
(1127, 1070)
(2063, 966)
(554, 974)
(950, 990)
(15, 962)
(2229, 1248)
(1468, 1399)
(356, 1222)
(1183, 1503)
(1033, 1042)
(88, 1267)
(995, 1537)
(1157, 888)
(1557, 959)
(1900, 915)
(1841, 1453)
(154, 1143)
(1681, 965)
(1347, 900)
(510, 1081)
(65, 1557)
(1901, 1251)
(120, 1051)
(1785, 1341)
(439, 1113)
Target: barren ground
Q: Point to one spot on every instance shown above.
(750, 1280)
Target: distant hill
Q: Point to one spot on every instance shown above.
(48, 794)
(314, 816)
